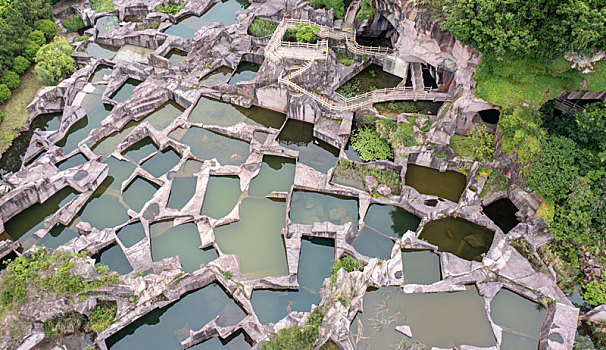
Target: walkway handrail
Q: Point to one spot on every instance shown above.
(321, 43)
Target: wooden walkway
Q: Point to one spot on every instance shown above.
(276, 50)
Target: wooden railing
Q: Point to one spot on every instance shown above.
(341, 103)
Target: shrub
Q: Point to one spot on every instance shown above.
(348, 263)
(73, 23)
(481, 143)
(82, 38)
(170, 8)
(338, 5)
(20, 64)
(303, 33)
(367, 142)
(595, 293)
(5, 93)
(297, 338)
(1, 116)
(523, 136)
(44, 274)
(261, 27)
(10, 79)
(590, 125)
(55, 61)
(346, 61)
(397, 135)
(37, 37)
(47, 27)
(102, 316)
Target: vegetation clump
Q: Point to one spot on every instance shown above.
(347, 263)
(396, 134)
(351, 88)
(340, 6)
(303, 33)
(496, 182)
(478, 144)
(42, 275)
(73, 23)
(297, 338)
(102, 316)
(369, 144)
(170, 9)
(102, 5)
(366, 10)
(358, 172)
(261, 27)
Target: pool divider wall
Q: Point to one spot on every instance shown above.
(166, 273)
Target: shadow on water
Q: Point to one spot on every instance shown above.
(315, 261)
(224, 12)
(164, 328)
(503, 213)
(12, 158)
(448, 185)
(459, 237)
(23, 225)
(298, 136)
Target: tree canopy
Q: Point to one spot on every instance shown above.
(544, 29)
(54, 61)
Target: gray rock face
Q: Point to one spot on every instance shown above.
(415, 37)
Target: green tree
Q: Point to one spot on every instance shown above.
(54, 61)
(10, 79)
(543, 28)
(579, 220)
(20, 64)
(555, 168)
(30, 51)
(37, 37)
(591, 126)
(47, 27)
(5, 93)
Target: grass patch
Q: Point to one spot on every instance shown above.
(596, 81)
(15, 111)
(496, 182)
(261, 27)
(102, 5)
(460, 146)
